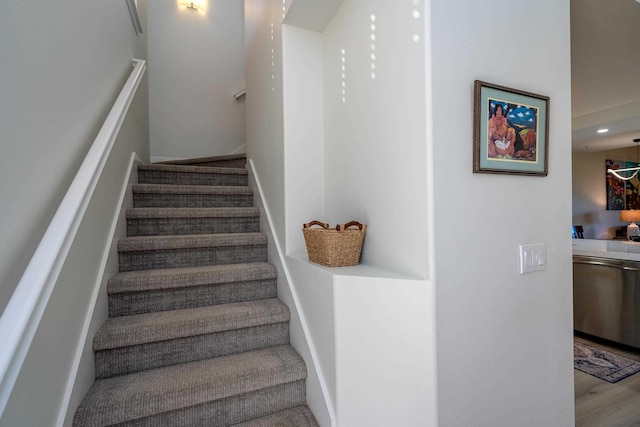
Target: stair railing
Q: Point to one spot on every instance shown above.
(24, 311)
(239, 94)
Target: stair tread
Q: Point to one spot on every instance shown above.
(142, 394)
(186, 168)
(168, 242)
(169, 278)
(191, 189)
(300, 416)
(204, 159)
(166, 325)
(165, 212)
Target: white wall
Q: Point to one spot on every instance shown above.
(265, 148)
(303, 132)
(264, 104)
(375, 150)
(63, 65)
(504, 339)
(590, 193)
(504, 350)
(384, 352)
(79, 56)
(59, 366)
(367, 161)
(195, 67)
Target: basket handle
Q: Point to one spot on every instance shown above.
(342, 227)
(315, 222)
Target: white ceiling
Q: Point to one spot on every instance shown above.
(605, 73)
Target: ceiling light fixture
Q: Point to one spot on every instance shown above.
(635, 170)
(195, 5)
(603, 130)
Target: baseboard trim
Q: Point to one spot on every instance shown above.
(296, 301)
(85, 339)
(157, 159)
(241, 149)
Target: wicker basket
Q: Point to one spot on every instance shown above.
(334, 247)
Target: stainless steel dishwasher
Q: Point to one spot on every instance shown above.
(606, 298)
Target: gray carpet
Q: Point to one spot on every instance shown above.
(173, 221)
(192, 196)
(144, 291)
(196, 334)
(298, 416)
(190, 175)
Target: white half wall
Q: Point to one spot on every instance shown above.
(318, 388)
(384, 352)
(505, 354)
(590, 192)
(196, 64)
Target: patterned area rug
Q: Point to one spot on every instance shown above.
(603, 364)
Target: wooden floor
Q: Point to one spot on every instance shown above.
(602, 404)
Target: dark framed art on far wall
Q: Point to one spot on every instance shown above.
(511, 131)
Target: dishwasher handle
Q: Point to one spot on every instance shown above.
(620, 265)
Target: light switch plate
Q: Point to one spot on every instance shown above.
(532, 258)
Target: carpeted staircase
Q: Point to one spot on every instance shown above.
(196, 334)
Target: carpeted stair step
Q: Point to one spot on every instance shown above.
(191, 175)
(300, 416)
(135, 343)
(193, 250)
(227, 161)
(191, 196)
(146, 291)
(219, 391)
(163, 221)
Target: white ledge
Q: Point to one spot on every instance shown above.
(360, 270)
(611, 249)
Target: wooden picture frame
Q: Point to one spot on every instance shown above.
(511, 131)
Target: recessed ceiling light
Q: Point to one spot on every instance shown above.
(604, 130)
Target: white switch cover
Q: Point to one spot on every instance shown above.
(532, 258)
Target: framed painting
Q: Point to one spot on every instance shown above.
(632, 189)
(616, 197)
(511, 131)
(621, 194)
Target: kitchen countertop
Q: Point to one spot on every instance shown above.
(612, 249)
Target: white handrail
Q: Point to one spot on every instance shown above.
(239, 94)
(135, 18)
(23, 313)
